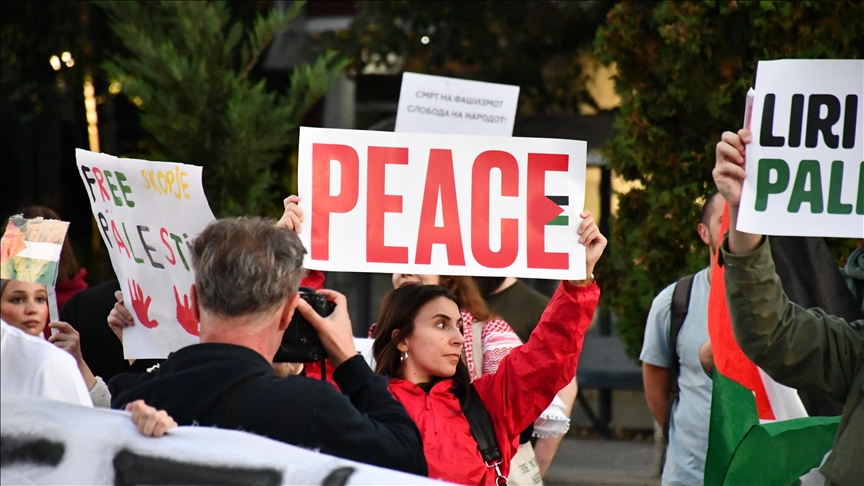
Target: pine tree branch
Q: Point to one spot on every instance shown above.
(265, 31)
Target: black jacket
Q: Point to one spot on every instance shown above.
(363, 423)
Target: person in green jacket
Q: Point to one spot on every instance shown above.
(800, 348)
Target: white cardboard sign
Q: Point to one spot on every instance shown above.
(441, 204)
(435, 104)
(50, 442)
(805, 165)
(148, 214)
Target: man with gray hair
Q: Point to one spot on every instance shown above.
(247, 273)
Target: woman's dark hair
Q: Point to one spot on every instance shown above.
(398, 311)
(470, 298)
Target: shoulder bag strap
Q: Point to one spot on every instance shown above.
(678, 312)
(483, 432)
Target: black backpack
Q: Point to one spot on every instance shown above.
(678, 311)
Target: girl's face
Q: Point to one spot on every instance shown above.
(435, 347)
(400, 279)
(25, 306)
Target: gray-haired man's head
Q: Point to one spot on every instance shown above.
(246, 266)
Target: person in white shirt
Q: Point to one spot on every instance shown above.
(32, 367)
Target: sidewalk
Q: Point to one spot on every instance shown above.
(586, 462)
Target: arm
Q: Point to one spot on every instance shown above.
(656, 380)
(547, 447)
(374, 427)
(797, 347)
(530, 376)
(68, 339)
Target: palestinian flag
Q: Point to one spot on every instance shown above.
(759, 431)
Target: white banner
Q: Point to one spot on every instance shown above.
(49, 442)
(435, 104)
(805, 165)
(148, 214)
(441, 204)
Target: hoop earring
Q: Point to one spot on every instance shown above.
(403, 357)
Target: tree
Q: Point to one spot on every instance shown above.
(190, 71)
(683, 72)
(535, 45)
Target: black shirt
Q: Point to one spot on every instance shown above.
(362, 423)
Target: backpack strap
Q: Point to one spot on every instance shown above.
(678, 312)
(483, 432)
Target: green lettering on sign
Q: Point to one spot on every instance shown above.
(764, 186)
(808, 169)
(835, 206)
(859, 205)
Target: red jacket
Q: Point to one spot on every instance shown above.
(524, 385)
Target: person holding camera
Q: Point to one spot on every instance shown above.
(247, 272)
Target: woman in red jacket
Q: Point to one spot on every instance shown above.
(419, 344)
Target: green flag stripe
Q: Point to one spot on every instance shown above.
(733, 413)
(561, 220)
(781, 452)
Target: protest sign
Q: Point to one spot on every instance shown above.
(805, 165)
(148, 214)
(30, 252)
(435, 104)
(51, 442)
(441, 204)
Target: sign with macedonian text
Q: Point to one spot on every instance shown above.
(805, 165)
(148, 214)
(435, 104)
(441, 204)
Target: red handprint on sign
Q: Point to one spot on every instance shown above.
(140, 305)
(185, 316)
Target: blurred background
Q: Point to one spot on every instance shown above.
(649, 85)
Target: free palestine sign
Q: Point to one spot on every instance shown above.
(805, 165)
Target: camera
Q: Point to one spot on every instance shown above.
(300, 343)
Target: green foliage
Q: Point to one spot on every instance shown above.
(683, 72)
(534, 45)
(188, 68)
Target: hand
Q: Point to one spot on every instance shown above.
(729, 165)
(706, 357)
(334, 330)
(292, 218)
(66, 339)
(119, 317)
(284, 370)
(594, 241)
(141, 305)
(150, 422)
(185, 316)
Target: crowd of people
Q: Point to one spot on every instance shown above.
(455, 392)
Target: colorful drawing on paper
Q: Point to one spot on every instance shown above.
(30, 250)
